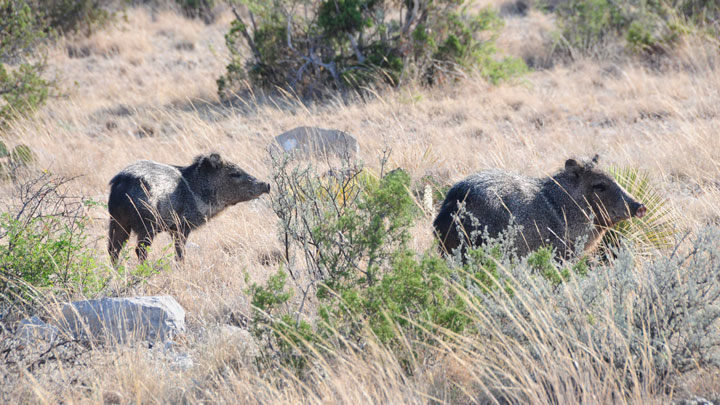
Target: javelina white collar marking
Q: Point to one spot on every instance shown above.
(208, 210)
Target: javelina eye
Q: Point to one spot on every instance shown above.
(599, 188)
(236, 175)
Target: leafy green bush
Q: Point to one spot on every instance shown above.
(46, 249)
(25, 25)
(45, 245)
(351, 231)
(647, 27)
(22, 87)
(348, 44)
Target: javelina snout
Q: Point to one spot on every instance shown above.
(260, 188)
(638, 210)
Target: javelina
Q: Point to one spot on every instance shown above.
(149, 197)
(577, 202)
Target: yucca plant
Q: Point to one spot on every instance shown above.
(655, 230)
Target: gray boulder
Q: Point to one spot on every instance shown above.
(33, 330)
(318, 142)
(120, 320)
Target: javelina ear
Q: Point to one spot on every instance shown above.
(212, 161)
(572, 166)
(595, 158)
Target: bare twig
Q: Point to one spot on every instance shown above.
(360, 57)
(410, 17)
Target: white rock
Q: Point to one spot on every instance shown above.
(120, 320)
(318, 142)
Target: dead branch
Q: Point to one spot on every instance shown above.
(248, 38)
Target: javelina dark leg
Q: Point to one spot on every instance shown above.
(180, 238)
(144, 239)
(117, 238)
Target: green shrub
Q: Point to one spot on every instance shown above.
(45, 245)
(47, 251)
(589, 24)
(646, 27)
(343, 220)
(350, 44)
(351, 231)
(543, 261)
(25, 26)
(22, 88)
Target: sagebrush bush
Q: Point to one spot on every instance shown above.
(350, 44)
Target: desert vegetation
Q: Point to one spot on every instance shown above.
(332, 287)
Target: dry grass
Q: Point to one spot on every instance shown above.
(145, 89)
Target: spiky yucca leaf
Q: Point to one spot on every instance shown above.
(656, 229)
